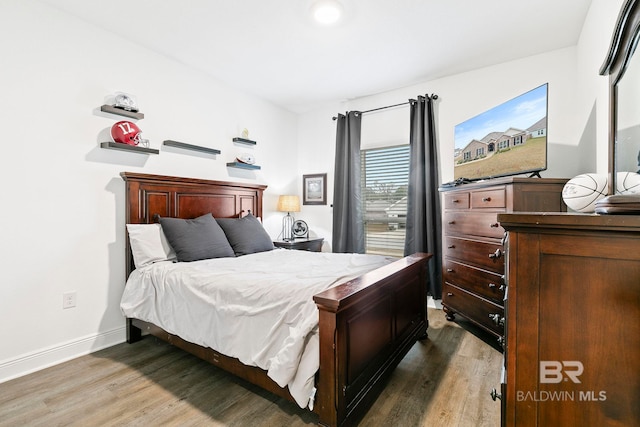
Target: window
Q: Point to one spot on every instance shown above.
(385, 180)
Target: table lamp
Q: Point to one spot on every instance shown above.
(288, 204)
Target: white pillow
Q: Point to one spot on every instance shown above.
(149, 244)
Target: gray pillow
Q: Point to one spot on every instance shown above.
(196, 239)
(246, 235)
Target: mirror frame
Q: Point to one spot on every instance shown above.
(623, 44)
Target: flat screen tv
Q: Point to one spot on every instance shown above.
(509, 139)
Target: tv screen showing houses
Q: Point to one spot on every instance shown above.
(508, 139)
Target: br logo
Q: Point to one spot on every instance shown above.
(554, 371)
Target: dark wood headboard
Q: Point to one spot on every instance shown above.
(169, 196)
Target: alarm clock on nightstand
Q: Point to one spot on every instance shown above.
(300, 229)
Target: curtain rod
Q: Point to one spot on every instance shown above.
(433, 96)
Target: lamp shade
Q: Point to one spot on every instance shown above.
(288, 204)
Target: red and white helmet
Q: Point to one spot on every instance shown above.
(126, 132)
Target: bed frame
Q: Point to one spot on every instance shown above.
(367, 325)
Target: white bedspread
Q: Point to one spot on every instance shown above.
(257, 308)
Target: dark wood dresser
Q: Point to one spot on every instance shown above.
(572, 353)
(473, 261)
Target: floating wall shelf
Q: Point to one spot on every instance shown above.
(244, 141)
(240, 165)
(186, 146)
(127, 147)
(120, 112)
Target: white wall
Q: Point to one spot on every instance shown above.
(62, 224)
(460, 97)
(593, 96)
(578, 106)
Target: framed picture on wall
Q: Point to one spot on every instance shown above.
(314, 189)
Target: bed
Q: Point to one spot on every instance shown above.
(353, 362)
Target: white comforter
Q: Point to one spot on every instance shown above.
(257, 308)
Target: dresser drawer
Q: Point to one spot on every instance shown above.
(456, 200)
(476, 309)
(489, 256)
(484, 224)
(487, 284)
(494, 198)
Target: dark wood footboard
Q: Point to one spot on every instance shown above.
(367, 326)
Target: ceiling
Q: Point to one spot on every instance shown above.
(272, 48)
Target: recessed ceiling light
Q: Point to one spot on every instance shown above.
(327, 12)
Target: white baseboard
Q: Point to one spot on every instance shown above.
(32, 362)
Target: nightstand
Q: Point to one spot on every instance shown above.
(313, 245)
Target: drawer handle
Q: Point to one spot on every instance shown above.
(449, 294)
(497, 254)
(449, 270)
(493, 286)
(494, 395)
(451, 247)
(452, 222)
(455, 201)
(494, 225)
(486, 199)
(497, 319)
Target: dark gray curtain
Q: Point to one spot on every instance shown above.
(424, 223)
(348, 228)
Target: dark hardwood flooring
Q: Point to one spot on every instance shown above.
(443, 381)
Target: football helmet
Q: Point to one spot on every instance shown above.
(246, 158)
(126, 102)
(126, 132)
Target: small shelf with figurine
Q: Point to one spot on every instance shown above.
(244, 161)
(124, 105)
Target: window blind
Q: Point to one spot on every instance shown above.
(385, 179)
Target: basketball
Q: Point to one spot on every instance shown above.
(628, 183)
(582, 192)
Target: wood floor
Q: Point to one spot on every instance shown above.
(443, 381)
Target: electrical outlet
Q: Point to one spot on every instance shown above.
(69, 299)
